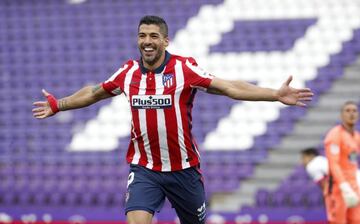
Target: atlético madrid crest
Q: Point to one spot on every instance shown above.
(167, 80)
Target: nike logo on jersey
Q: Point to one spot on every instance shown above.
(151, 101)
(134, 83)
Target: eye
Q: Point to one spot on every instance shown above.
(154, 36)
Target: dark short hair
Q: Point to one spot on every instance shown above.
(310, 152)
(156, 20)
(350, 102)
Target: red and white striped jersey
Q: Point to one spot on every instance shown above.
(161, 102)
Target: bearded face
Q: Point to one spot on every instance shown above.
(151, 44)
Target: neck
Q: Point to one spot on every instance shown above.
(156, 64)
(349, 127)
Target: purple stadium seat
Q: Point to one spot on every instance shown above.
(262, 198)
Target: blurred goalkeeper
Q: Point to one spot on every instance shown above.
(342, 145)
(317, 167)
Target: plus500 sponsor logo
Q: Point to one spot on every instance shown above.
(151, 101)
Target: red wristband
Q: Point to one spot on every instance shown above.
(53, 103)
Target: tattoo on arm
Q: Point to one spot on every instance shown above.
(96, 88)
(62, 104)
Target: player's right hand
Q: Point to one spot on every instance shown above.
(43, 109)
(350, 197)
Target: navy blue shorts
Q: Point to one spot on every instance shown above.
(184, 189)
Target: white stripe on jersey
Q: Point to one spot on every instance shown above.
(200, 72)
(179, 88)
(113, 76)
(117, 91)
(163, 144)
(127, 81)
(143, 125)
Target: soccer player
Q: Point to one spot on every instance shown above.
(316, 166)
(342, 145)
(163, 156)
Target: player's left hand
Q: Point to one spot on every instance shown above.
(291, 96)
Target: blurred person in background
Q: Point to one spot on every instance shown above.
(163, 155)
(316, 166)
(342, 145)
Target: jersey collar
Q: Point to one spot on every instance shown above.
(158, 69)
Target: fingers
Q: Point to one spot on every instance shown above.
(42, 107)
(45, 92)
(39, 114)
(305, 99)
(38, 109)
(301, 104)
(301, 101)
(40, 103)
(305, 94)
(305, 90)
(293, 96)
(288, 80)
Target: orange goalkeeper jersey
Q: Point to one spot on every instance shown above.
(342, 149)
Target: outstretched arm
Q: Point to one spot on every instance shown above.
(241, 90)
(82, 98)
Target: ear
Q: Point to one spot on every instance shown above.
(166, 41)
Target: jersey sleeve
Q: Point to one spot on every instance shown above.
(332, 149)
(196, 76)
(318, 169)
(115, 84)
(316, 174)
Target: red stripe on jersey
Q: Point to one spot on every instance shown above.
(152, 124)
(171, 124)
(193, 77)
(131, 150)
(193, 141)
(134, 90)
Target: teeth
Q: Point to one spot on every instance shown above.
(148, 48)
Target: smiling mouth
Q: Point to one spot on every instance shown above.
(148, 49)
